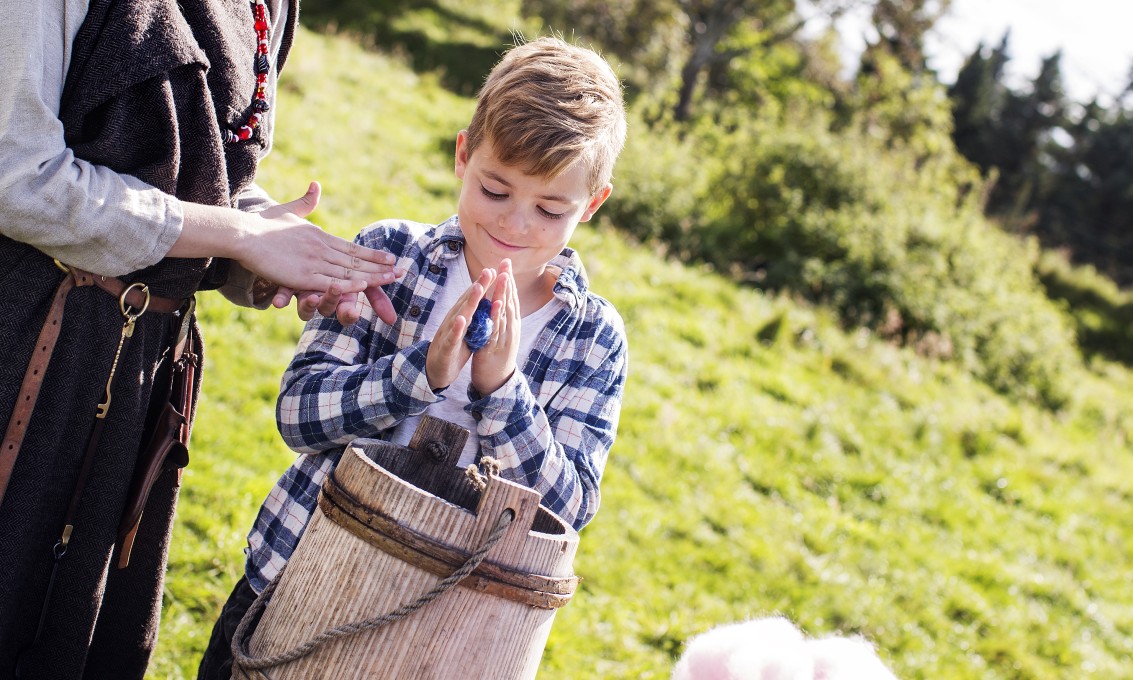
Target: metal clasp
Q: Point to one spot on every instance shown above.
(127, 308)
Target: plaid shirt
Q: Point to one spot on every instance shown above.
(550, 426)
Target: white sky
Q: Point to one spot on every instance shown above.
(1095, 37)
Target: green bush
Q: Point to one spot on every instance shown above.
(660, 184)
(891, 240)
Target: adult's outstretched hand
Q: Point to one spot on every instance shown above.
(364, 270)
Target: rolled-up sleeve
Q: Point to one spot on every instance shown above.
(80, 213)
(331, 394)
(561, 452)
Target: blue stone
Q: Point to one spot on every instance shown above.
(480, 327)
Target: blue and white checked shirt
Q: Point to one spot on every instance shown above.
(551, 425)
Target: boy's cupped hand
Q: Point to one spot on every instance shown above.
(493, 363)
(447, 351)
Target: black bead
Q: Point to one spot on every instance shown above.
(262, 63)
(260, 105)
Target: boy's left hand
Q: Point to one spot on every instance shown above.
(494, 363)
(447, 351)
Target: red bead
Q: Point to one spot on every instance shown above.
(259, 102)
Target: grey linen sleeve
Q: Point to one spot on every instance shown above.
(82, 214)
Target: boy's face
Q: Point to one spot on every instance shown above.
(505, 212)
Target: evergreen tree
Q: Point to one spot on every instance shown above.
(1089, 209)
(902, 26)
(977, 98)
(1067, 177)
(1026, 134)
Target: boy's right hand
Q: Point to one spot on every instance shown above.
(447, 351)
(346, 307)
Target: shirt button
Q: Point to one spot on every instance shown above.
(415, 311)
(434, 269)
(453, 246)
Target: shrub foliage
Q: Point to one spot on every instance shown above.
(891, 238)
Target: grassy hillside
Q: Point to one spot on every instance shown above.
(767, 461)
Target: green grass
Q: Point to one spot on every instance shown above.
(767, 461)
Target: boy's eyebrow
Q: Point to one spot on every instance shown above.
(546, 197)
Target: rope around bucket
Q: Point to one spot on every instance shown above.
(242, 658)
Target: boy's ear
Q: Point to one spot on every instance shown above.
(461, 153)
(596, 202)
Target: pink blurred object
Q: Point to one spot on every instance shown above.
(774, 649)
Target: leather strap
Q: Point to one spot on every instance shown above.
(135, 297)
(33, 379)
(45, 345)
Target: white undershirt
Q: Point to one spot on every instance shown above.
(456, 395)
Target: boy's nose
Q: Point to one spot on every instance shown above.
(512, 220)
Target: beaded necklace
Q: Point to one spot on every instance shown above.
(259, 100)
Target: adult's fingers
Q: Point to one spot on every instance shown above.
(375, 268)
(306, 301)
(346, 307)
(305, 204)
(323, 283)
(363, 260)
(299, 255)
(300, 207)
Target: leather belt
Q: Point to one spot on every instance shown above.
(134, 295)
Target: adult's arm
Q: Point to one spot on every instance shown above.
(80, 213)
(112, 224)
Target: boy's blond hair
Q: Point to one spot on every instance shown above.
(548, 104)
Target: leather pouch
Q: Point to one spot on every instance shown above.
(167, 449)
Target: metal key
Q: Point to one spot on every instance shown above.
(131, 315)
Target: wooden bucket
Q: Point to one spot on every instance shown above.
(391, 524)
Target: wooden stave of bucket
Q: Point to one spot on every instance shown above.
(335, 578)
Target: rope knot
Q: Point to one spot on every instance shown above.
(435, 450)
(491, 468)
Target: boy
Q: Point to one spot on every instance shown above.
(543, 395)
